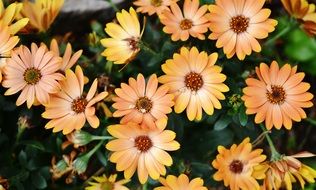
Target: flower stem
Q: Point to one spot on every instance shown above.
(311, 121)
(145, 47)
(95, 148)
(101, 138)
(113, 5)
(275, 155)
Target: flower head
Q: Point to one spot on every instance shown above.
(181, 183)
(277, 96)
(70, 108)
(153, 6)
(236, 165)
(236, 25)
(142, 103)
(34, 72)
(107, 183)
(142, 149)
(123, 44)
(196, 82)
(192, 22)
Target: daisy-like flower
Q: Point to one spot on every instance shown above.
(236, 165)
(236, 25)
(196, 82)
(110, 183)
(142, 103)
(70, 108)
(181, 183)
(153, 6)
(278, 96)
(68, 59)
(123, 44)
(7, 43)
(142, 149)
(10, 14)
(41, 13)
(32, 72)
(192, 22)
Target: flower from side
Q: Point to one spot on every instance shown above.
(236, 25)
(143, 149)
(153, 6)
(69, 109)
(191, 22)
(34, 73)
(195, 81)
(142, 103)
(277, 96)
(107, 183)
(182, 182)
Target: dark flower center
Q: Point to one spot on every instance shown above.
(186, 24)
(236, 166)
(193, 81)
(79, 105)
(143, 143)
(133, 44)
(32, 76)
(107, 186)
(239, 24)
(144, 104)
(156, 3)
(277, 95)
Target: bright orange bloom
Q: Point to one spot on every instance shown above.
(69, 108)
(196, 82)
(236, 165)
(192, 22)
(153, 6)
(181, 183)
(236, 25)
(278, 96)
(142, 148)
(141, 103)
(32, 72)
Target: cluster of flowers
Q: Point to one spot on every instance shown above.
(192, 81)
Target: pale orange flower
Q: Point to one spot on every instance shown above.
(236, 166)
(70, 108)
(191, 22)
(196, 82)
(142, 148)
(181, 183)
(236, 25)
(278, 96)
(32, 72)
(142, 103)
(153, 6)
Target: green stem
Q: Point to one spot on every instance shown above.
(145, 47)
(279, 35)
(113, 5)
(101, 138)
(275, 155)
(311, 121)
(89, 154)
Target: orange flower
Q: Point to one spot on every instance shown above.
(141, 103)
(278, 96)
(34, 73)
(181, 183)
(144, 149)
(236, 165)
(196, 82)
(237, 24)
(69, 108)
(153, 6)
(191, 22)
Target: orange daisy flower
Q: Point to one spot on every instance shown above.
(236, 165)
(141, 103)
(181, 183)
(236, 25)
(32, 72)
(278, 96)
(192, 21)
(153, 6)
(70, 108)
(196, 82)
(144, 149)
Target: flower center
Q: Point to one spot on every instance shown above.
(193, 81)
(79, 105)
(133, 44)
(32, 76)
(143, 143)
(239, 24)
(144, 104)
(186, 24)
(107, 185)
(236, 166)
(156, 3)
(276, 95)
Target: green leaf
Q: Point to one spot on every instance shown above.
(38, 181)
(223, 122)
(35, 144)
(243, 117)
(22, 158)
(102, 158)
